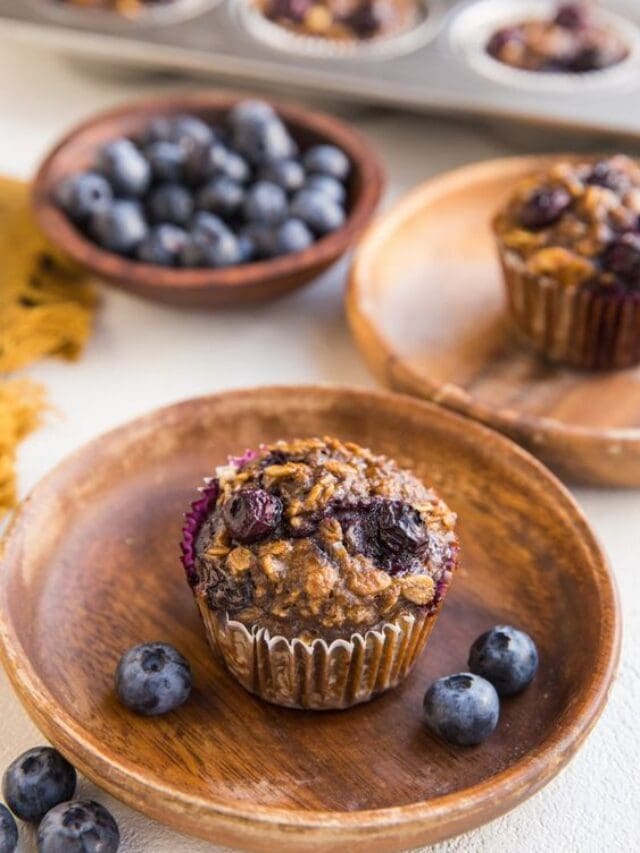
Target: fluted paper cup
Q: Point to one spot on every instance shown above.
(576, 326)
(318, 675)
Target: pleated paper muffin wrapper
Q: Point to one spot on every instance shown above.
(318, 675)
(406, 40)
(576, 326)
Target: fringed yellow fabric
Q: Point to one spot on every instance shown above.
(46, 308)
(21, 406)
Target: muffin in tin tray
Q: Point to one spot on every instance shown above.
(342, 29)
(547, 45)
(121, 13)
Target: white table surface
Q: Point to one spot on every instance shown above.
(142, 356)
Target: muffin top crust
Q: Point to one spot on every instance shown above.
(579, 222)
(572, 40)
(318, 538)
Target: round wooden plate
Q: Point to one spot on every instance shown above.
(427, 308)
(90, 567)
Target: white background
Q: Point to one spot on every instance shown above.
(143, 355)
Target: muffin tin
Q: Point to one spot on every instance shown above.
(437, 67)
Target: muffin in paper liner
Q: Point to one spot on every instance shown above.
(318, 675)
(579, 326)
(304, 671)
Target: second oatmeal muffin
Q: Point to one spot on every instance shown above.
(569, 245)
(318, 568)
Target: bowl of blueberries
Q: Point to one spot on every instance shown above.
(207, 199)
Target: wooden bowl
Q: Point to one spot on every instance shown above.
(427, 307)
(91, 566)
(205, 287)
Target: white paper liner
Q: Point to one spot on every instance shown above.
(384, 47)
(318, 675)
(160, 15)
(476, 22)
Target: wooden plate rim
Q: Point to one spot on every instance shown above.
(63, 234)
(400, 374)
(504, 790)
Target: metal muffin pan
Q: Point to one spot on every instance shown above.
(436, 74)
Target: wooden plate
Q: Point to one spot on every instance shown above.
(205, 287)
(90, 566)
(427, 308)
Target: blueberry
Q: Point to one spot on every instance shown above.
(265, 202)
(251, 515)
(81, 826)
(320, 212)
(250, 113)
(327, 160)
(167, 160)
(162, 245)
(572, 16)
(462, 709)
(622, 257)
(501, 38)
(292, 236)
(399, 527)
(329, 186)
(288, 174)
(125, 167)
(188, 132)
(506, 657)
(590, 58)
(260, 238)
(221, 195)
(204, 163)
(37, 781)
(605, 174)
(210, 244)
(236, 168)
(153, 678)
(119, 228)
(247, 247)
(367, 19)
(170, 203)
(82, 194)
(262, 141)
(544, 207)
(8, 831)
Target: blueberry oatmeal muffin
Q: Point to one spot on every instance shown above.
(319, 569)
(573, 40)
(341, 20)
(569, 245)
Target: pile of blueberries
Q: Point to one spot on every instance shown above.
(463, 709)
(186, 194)
(39, 787)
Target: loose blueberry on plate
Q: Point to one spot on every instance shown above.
(37, 781)
(265, 203)
(81, 826)
(125, 167)
(462, 709)
(83, 194)
(153, 678)
(170, 203)
(8, 831)
(120, 228)
(167, 160)
(320, 212)
(327, 160)
(506, 657)
(162, 245)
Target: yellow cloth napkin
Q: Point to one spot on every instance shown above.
(46, 308)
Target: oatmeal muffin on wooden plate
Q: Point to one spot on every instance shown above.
(569, 245)
(319, 569)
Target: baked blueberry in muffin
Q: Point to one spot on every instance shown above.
(324, 546)
(569, 243)
(572, 40)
